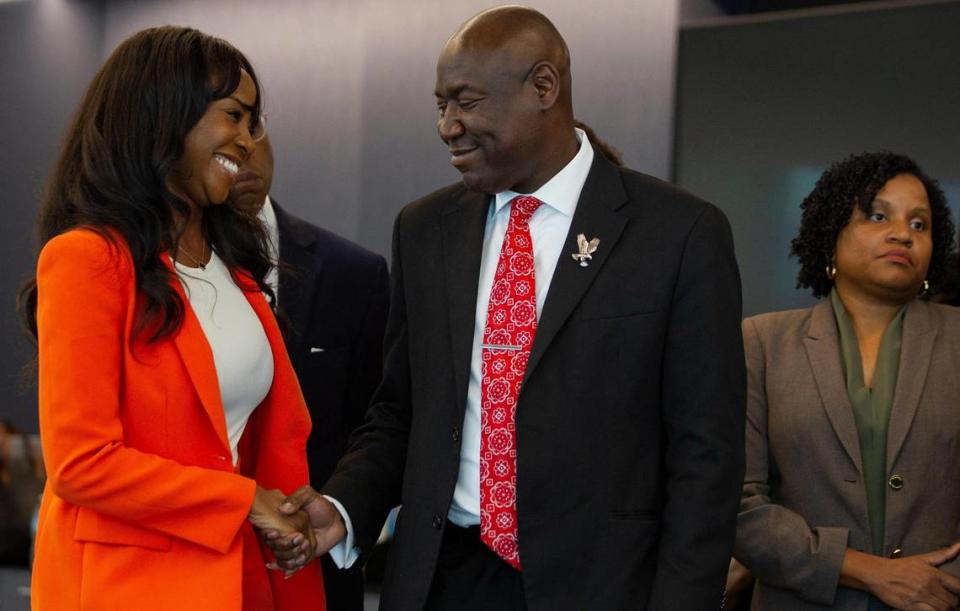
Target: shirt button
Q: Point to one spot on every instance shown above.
(456, 433)
(437, 522)
(896, 482)
(896, 553)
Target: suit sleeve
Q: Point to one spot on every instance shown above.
(702, 406)
(367, 358)
(367, 481)
(777, 544)
(84, 294)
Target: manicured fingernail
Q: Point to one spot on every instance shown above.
(286, 507)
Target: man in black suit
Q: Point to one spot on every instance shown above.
(591, 458)
(334, 296)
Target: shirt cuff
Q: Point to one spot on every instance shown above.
(345, 553)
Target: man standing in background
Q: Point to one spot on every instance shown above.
(334, 296)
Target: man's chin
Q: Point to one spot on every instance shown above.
(477, 183)
(248, 202)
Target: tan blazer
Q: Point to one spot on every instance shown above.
(803, 500)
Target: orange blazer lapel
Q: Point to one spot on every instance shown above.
(282, 420)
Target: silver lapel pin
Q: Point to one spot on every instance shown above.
(586, 249)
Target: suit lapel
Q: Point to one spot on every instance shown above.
(916, 350)
(297, 249)
(823, 352)
(462, 227)
(596, 216)
(191, 343)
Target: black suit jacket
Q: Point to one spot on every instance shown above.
(630, 422)
(334, 295)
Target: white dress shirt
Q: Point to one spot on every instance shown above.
(549, 227)
(268, 217)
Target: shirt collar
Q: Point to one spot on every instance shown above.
(563, 190)
(268, 217)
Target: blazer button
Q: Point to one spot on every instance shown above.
(437, 522)
(896, 482)
(896, 553)
(456, 433)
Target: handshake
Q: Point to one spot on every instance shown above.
(297, 528)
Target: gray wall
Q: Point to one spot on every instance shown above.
(764, 105)
(49, 51)
(349, 90)
(349, 95)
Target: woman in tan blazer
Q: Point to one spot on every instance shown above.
(851, 498)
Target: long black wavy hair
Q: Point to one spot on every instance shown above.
(855, 181)
(124, 142)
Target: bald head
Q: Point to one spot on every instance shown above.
(503, 92)
(521, 38)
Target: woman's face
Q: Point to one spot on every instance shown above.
(216, 147)
(884, 254)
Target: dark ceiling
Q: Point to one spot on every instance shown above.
(743, 7)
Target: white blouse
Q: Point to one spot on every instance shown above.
(241, 352)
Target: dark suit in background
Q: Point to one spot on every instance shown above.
(335, 297)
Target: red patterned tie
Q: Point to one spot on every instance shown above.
(511, 323)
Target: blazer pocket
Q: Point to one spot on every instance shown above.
(617, 307)
(95, 527)
(645, 515)
(321, 353)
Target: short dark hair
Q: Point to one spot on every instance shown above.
(856, 181)
(124, 141)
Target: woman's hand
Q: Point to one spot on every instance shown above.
(910, 583)
(291, 533)
(327, 523)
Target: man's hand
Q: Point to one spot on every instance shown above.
(326, 522)
(289, 531)
(910, 583)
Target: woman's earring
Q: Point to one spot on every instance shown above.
(831, 271)
(926, 287)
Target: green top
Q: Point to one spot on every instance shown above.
(871, 408)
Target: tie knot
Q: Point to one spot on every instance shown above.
(522, 207)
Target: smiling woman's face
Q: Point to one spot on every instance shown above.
(885, 253)
(216, 146)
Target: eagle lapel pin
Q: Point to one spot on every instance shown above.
(586, 249)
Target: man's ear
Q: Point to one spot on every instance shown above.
(546, 80)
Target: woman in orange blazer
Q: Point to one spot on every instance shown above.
(158, 469)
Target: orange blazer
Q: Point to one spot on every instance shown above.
(143, 508)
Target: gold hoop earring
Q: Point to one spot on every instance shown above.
(831, 271)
